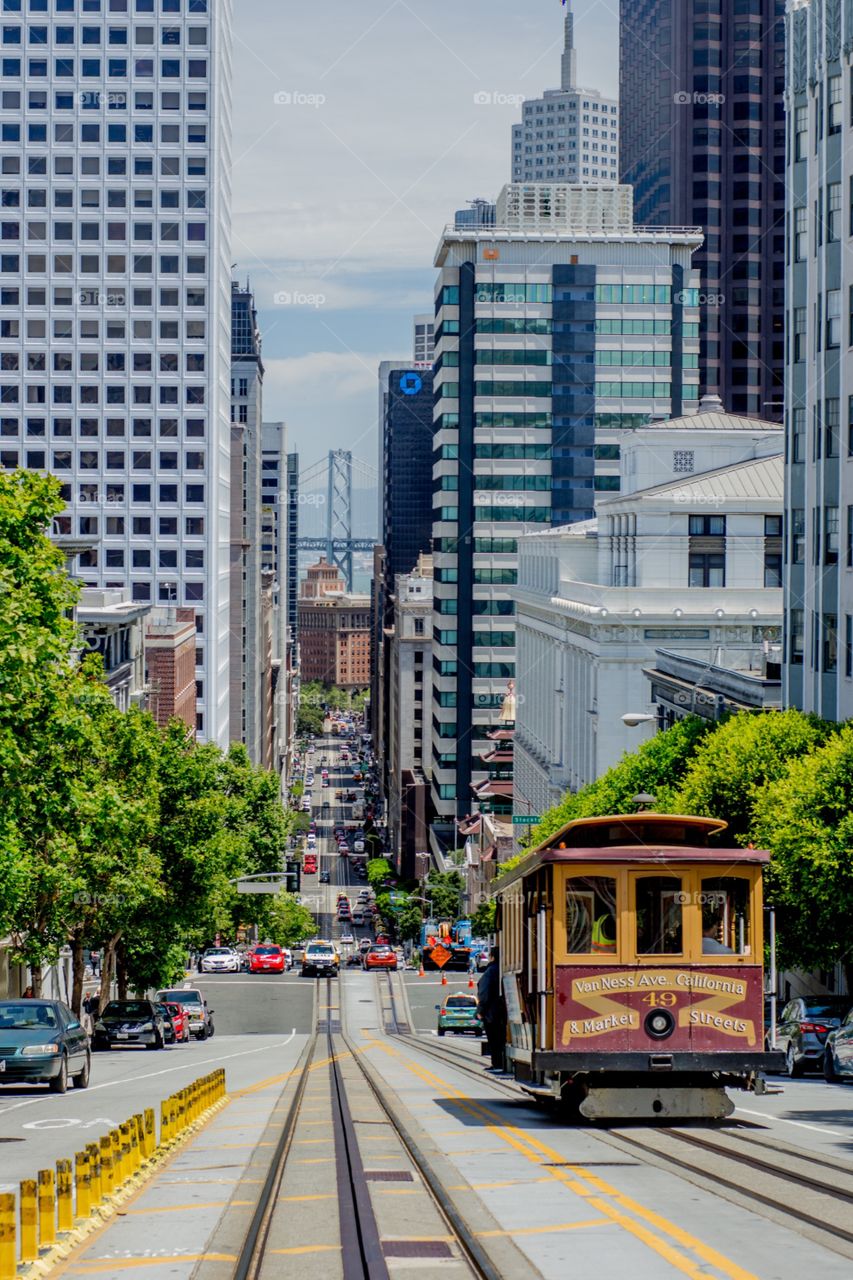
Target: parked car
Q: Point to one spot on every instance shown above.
(325, 877)
(320, 958)
(43, 1042)
(380, 957)
(126, 1022)
(169, 1033)
(199, 1016)
(482, 961)
(459, 1014)
(347, 940)
(180, 1021)
(220, 960)
(268, 958)
(838, 1054)
(803, 1028)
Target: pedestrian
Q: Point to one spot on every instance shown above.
(492, 1009)
(95, 961)
(92, 1003)
(27, 994)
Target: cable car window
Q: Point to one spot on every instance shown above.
(725, 916)
(659, 925)
(591, 915)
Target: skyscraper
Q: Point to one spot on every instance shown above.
(247, 674)
(818, 667)
(115, 295)
(552, 338)
(703, 144)
(570, 134)
(423, 343)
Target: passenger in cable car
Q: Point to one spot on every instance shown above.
(711, 926)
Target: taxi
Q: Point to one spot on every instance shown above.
(460, 1015)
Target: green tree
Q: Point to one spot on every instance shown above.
(378, 869)
(288, 922)
(805, 819)
(657, 768)
(732, 767)
(445, 889)
(483, 919)
(309, 719)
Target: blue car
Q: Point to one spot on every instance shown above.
(838, 1055)
(42, 1042)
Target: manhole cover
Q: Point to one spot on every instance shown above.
(388, 1175)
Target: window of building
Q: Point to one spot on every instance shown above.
(833, 104)
(801, 224)
(833, 318)
(830, 535)
(830, 642)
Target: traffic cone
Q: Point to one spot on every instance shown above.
(421, 973)
(471, 982)
(444, 979)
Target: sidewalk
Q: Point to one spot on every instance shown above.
(166, 1229)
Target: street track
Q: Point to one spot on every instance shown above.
(732, 1156)
(363, 1253)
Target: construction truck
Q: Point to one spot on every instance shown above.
(443, 936)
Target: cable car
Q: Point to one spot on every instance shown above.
(631, 953)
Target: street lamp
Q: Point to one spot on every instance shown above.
(635, 718)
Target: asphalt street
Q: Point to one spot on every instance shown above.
(261, 1025)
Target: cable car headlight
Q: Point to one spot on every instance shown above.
(659, 1023)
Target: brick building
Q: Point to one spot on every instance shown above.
(170, 655)
(334, 630)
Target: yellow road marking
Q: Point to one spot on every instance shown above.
(182, 1208)
(308, 1248)
(297, 1199)
(126, 1264)
(536, 1231)
(590, 1184)
(497, 1186)
(317, 1160)
(311, 1142)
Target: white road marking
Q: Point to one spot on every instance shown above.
(800, 1124)
(190, 1065)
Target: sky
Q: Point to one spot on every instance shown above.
(358, 130)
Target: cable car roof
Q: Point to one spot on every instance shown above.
(646, 837)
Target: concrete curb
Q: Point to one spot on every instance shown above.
(103, 1213)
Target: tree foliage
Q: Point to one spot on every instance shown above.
(732, 767)
(657, 767)
(806, 819)
(114, 833)
(288, 922)
(444, 890)
(483, 919)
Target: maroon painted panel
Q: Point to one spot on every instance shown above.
(717, 1008)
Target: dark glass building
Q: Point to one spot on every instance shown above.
(703, 144)
(406, 528)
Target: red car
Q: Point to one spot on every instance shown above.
(309, 866)
(180, 1021)
(267, 959)
(380, 958)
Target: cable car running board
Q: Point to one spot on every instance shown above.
(657, 1104)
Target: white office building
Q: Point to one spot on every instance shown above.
(423, 341)
(570, 134)
(115, 298)
(691, 564)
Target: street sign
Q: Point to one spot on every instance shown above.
(525, 820)
(440, 956)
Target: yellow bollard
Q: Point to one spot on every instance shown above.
(126, 1158)
(118, 1161)
(150, 1133)
(29, 1220)
(64, 1200)
(83, 1185)
(95, 1193)
(165, 1127)
(107, 1170)
(132, 1148)
(138, 1131)
(47, 1208)
(8, 1250)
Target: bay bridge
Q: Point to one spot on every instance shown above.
(337, 543)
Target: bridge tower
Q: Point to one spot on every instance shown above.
(339, 514)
